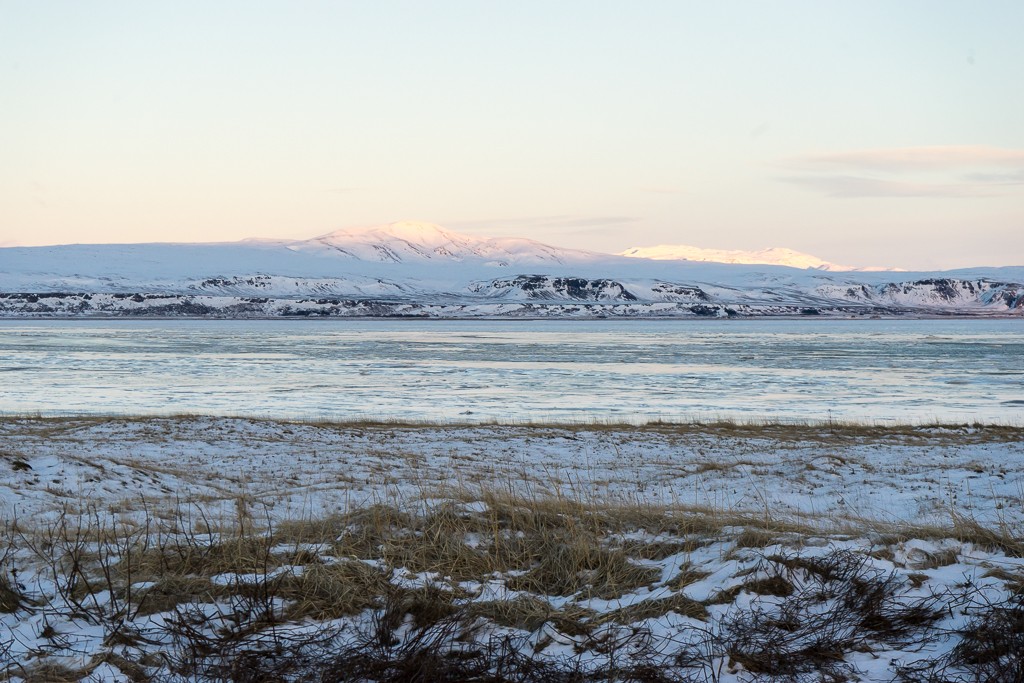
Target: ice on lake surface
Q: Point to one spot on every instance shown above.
(877, 370)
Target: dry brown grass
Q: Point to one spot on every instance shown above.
(659, 550)
(1014, 581)
(579, 564)
(174, 590)
(546, 548)
(788, 431)
(321, 530)
(329, 591)
(997, 537)
(246, 553)
(649, 609)
(10, 598)
(529, 613)
(687, 575)
(754, 538)
(426, 606)
(51, 672)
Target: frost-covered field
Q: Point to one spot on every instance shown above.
(913, 475)
(200, 548)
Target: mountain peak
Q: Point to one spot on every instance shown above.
(412, 231)
(418, 241)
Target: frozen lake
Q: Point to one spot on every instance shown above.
(877, 370)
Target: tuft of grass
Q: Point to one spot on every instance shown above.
(52, 672)
(326, 530)
(11, 598)
(773, 585)
(241, 549)
(687, 575)
(649, 609)
(19, 465)
(330, 591)
(659, 550)
(578, 564)
(997, 537)
(171, 591)
(1014, 582)
(426, 606)
(530, 613)
(754, 538)
(943, 558)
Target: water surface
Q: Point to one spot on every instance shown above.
(878, 370)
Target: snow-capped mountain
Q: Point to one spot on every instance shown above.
(415, 241)
(421, 269)
(775, 256)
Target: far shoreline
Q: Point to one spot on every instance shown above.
(510, 319)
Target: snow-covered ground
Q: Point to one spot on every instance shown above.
(914, 475)
(773, 526)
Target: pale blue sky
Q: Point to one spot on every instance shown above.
(590, 124)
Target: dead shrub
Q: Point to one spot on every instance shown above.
(990, 647)
(840, 605)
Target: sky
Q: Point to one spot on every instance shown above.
(869, 133)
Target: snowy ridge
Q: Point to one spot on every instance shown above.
(775, 256)
(281, 286)
(422, 269)
(938, 293)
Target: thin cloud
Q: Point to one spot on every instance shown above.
(529, 221)
(553, 222)
(1012, 178)
(760, 129)
(937, 171)
(594, 230)
(659, 189)
(599, 220)
(857, 186)
(900, 159)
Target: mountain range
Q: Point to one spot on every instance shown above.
(414, 269)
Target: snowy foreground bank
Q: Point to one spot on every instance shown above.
(235, 549)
